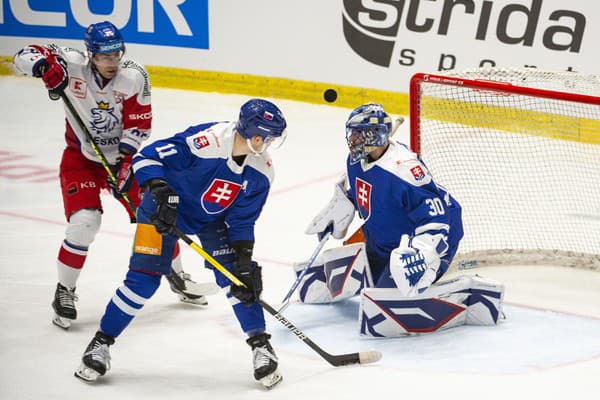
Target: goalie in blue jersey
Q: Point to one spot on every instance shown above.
(411, 231)
(211, 180)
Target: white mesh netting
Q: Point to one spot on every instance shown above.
(525, 167)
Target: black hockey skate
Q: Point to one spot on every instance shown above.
(64, 306)
(188, 290)
(265, 360)
(96, 358)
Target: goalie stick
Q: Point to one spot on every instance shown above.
(364, 357)
(397, 122)
(286, 300)
(337, 360)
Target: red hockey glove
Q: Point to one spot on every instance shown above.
(53, 71)
(122, 171)
(54, 74)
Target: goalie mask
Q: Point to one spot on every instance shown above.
(368, 126)
(263, 118)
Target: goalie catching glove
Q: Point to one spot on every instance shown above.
(415, 263)
(337, 214)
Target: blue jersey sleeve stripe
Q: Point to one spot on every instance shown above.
(433, 226)
(141, 163)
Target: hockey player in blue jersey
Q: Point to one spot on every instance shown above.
(211, 180)
(412, 229)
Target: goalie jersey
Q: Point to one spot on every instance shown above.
(211, 185)
(396, 195)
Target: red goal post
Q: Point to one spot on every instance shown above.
(520, 150)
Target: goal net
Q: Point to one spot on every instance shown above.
(520, 150)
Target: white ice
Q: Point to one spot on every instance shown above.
(547, 348)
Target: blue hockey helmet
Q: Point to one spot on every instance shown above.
(263, 118)
(368, 126)
(103, 37)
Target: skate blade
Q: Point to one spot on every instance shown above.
(200, 301)
(61, 322)
(201, 289)
(271, 380)
(86, 373)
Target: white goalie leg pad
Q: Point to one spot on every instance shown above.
(347, 270)
(336, 275)
(312, 288)
(464, 300)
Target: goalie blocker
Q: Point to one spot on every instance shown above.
(343, 272)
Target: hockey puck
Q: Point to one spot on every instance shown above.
(330, 95)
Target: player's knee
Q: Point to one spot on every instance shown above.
(83, 226)
(142, 284)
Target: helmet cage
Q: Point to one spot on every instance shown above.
(367, 128)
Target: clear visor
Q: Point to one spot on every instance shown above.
(275, 142)
(112, 58)
(269, 141)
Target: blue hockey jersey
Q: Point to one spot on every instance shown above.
(396, 195)
(198, 165)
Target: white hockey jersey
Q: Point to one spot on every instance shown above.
(118, 113)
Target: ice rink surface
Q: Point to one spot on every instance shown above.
(547, 348)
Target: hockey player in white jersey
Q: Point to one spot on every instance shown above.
(211, 180)
(111, 94)
(411, 231)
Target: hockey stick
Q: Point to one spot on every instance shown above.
(198, 289)
(397, 122)
(97, 150)
(364, 357)
(286, 300)
(207, 257)
(337, 360)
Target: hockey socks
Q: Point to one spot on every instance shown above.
(127, 301)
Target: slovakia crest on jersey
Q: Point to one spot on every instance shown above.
(417, 173)
(219, 196)
(363, 198)
(200, 142)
